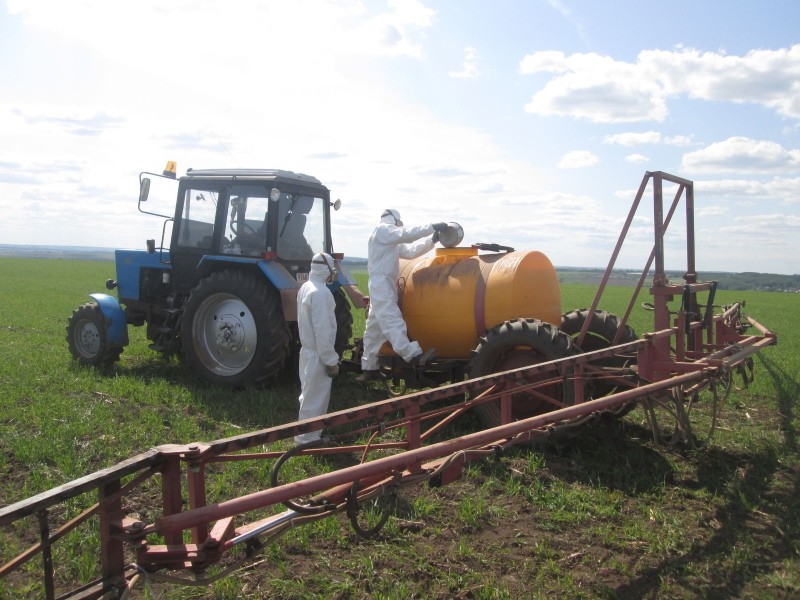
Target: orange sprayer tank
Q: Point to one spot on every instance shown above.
(450, 299)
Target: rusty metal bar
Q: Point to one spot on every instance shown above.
(658, 227)
(112, 551)
(47, 555)
(612, 261)
(196, 476)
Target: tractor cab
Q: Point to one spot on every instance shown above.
(247, 214)
(220, 289)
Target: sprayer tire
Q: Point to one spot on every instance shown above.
(600, 335)
(87, 339)
(233, 331)
(517, 343)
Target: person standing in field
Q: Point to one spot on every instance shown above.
(319, 361)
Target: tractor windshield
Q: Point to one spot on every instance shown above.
(301, 228)
(246, 224)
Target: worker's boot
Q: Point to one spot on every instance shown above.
(423, 359)
(371, 375)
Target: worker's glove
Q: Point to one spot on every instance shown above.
(332, 370)
(439, 227)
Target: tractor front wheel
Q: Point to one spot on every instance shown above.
(233, 331)
(87, 338)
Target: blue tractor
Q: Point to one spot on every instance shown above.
(222, 295)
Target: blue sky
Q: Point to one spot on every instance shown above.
(531, 123)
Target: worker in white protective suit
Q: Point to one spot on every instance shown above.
(389, 242)
(319, 361)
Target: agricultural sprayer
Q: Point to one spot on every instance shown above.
(528, 378)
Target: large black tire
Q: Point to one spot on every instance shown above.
(87, 339)
(600, 335)
(344, 322)
(518, 343)
(233, 331)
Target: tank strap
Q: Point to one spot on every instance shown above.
(480, 299)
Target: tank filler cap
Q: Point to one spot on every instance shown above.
(451, 236)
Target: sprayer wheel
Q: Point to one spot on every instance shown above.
(519, 343)
(600, 335)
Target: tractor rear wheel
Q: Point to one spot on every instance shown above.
(86, 336)
(600, 335)
(344, 322)
(519, 343)
(233, 329)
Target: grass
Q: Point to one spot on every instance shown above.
(606, 514)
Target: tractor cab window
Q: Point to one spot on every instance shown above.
(301, 226)
(246, 223)
(197, 220)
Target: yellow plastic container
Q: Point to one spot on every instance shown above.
(449, 300)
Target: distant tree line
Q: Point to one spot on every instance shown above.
(754, 281)
(726, 281)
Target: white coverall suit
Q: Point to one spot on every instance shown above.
(387, 244)
(316, 322)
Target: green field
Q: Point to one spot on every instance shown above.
(606, 515)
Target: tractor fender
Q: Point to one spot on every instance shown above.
(114, 317)
(345, 278)
(283, 281)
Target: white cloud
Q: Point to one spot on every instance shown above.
(206, 36)
(578, 159)
(678, 140)
(773, 222)
(637, 158)
(709, 212)
(781, 189)
(546, 61)
(72, 120)
(469, 69)
(767, 77)
(600, 89)
(594, 87)
(743, 155)
(392, 32)
(633, 138)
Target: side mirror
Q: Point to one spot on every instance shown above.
(144, 189)
(336, 205)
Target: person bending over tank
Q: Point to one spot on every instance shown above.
(389, 242)
(319, 361)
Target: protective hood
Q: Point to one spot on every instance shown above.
(323, 268)
(392, 217)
